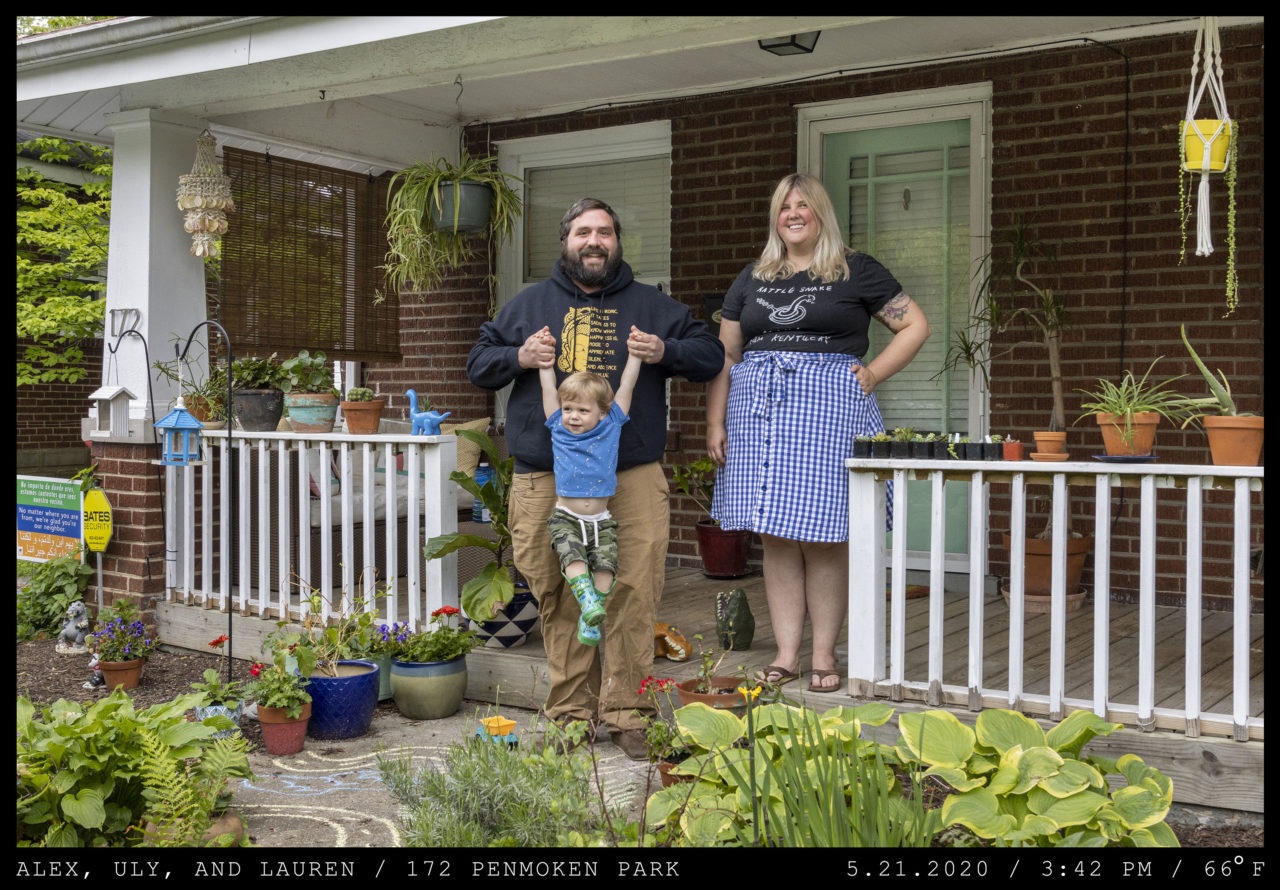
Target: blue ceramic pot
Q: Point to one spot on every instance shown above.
(342, 707)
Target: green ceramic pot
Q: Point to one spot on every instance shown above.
(429, 690)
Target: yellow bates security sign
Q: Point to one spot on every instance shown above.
(97, 519)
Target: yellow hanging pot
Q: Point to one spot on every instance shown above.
(1205, 145)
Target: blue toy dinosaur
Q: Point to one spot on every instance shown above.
(425, 423)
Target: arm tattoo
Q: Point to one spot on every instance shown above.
(895, 309)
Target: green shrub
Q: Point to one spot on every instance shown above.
(489, 795)
(43, 601)
(82, 769)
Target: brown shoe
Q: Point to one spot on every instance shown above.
(632, 742)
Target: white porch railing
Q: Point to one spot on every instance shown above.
(877, 658)
(295, 526)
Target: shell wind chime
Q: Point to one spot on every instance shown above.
(1209, 145)
(205, 196)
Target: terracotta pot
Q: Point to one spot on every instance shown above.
(1050, 443)
(730, 700)
(282, 734)
(1038, 604)
(724, 553)
(126, 674)
(1038, 572)
(1113, 427)
(362, 418)
(1234, 441)
(1013, 450)
(668, 778)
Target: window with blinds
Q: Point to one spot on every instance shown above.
(301, 261)
(638, 190)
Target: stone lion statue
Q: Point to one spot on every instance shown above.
(71, 640)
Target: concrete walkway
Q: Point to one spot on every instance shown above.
(330, 794)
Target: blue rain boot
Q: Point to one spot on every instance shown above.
(587, 635)
(588, 600)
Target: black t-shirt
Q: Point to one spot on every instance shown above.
(800, 314)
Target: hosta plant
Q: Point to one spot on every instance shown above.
(1016, 785)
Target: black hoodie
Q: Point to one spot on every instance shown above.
(591, 334)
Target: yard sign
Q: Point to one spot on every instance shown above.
(50, 517)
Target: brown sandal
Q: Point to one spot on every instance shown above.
(819, 676)
(775, 675)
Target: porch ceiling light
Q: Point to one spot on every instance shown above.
(790, 44)
(205, 195)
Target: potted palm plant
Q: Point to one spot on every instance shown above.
(724, 553)
(1235, 437)
(431, 220)
(1011, 303)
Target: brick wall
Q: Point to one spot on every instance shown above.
(47, 420)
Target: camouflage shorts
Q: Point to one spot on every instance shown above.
(599, 551)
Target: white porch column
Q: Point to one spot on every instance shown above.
(152, 271)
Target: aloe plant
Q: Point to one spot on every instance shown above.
(1220, 403)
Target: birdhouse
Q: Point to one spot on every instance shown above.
(113, 413)
(181, 437)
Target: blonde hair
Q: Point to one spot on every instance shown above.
(586, 386)
(829, 255)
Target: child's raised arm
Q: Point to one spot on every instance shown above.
(630, 371)
(547, 376)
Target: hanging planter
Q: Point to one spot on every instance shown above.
(1207, 146)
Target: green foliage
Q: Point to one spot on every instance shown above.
(494, 585)
(785, 776)
(489, 795)
(1132, 396)
(1220, 403)
(331, 634)
(62, 238)
(198, 383)
(184, 796)
(1011, 310)
(418, 253)
(1016, 785)
(216, 691)
(43, 601)
(252, 372)
(305, 372)
(442, 640)
(80, 767)
(696, 479)
(360, 394)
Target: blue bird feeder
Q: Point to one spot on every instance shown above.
(181, 437)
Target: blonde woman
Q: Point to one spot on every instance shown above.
(781, 416)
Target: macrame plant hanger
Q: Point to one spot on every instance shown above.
(1212, 139)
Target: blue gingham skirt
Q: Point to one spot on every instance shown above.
(790, 423)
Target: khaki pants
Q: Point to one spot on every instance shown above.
(588, 683)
